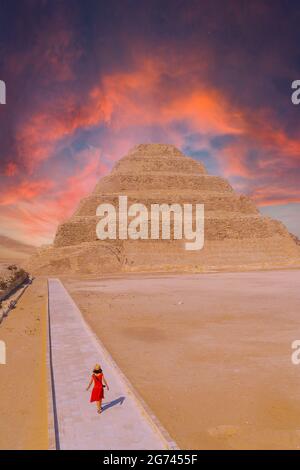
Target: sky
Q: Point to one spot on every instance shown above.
(87, 80)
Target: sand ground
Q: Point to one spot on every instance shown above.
(210, 354)
(23, 380)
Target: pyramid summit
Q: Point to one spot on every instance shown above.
(236, 235)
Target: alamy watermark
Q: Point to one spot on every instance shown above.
(2, 352)
(296, 94)
(138, 223)
(295, 356)
(2, 92)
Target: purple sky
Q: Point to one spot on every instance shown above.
(87, 80)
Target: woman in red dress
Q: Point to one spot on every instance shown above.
(99, 382)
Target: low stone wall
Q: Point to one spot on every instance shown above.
(13, 281)
(18, 291)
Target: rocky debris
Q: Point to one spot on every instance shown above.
(11, 277)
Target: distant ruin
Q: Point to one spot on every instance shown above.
(237, 236)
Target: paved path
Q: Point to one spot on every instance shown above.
(74, 350)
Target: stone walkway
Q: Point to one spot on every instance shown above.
(73, 351)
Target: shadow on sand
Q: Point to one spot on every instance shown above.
(117, 401)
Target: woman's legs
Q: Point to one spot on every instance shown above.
(98, 403)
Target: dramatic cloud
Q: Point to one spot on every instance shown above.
(85, 85)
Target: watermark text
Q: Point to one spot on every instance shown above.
(165, 221)
(295, 357)
(2, 92)
(2, 352)
(296, 94)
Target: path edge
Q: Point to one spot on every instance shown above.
(142, 405)
(51, 427)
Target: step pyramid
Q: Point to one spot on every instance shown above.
(236, 235)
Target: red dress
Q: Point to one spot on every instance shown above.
(97, 392)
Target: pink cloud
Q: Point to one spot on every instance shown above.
(36, 209)
(272, 196)
(125, 102)
(25, 190)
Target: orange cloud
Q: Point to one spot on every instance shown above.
(151, 94)
(26, 190)
(140, 97)
(10, 169)
(35, 209)
(37, 138)
(271, 196)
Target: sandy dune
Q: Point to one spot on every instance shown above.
(211, 354)
(14, 251)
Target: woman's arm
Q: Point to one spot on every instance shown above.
(104, 380)
(91, 381)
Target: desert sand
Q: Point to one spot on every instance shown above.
(23, 383)
(13, 251)
(210, 353)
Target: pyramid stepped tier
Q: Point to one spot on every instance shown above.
(151, 181)
(83, 229)
(161, 159)
(236, 235)
(213, 201)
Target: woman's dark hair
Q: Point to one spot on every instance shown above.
(97, 371)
